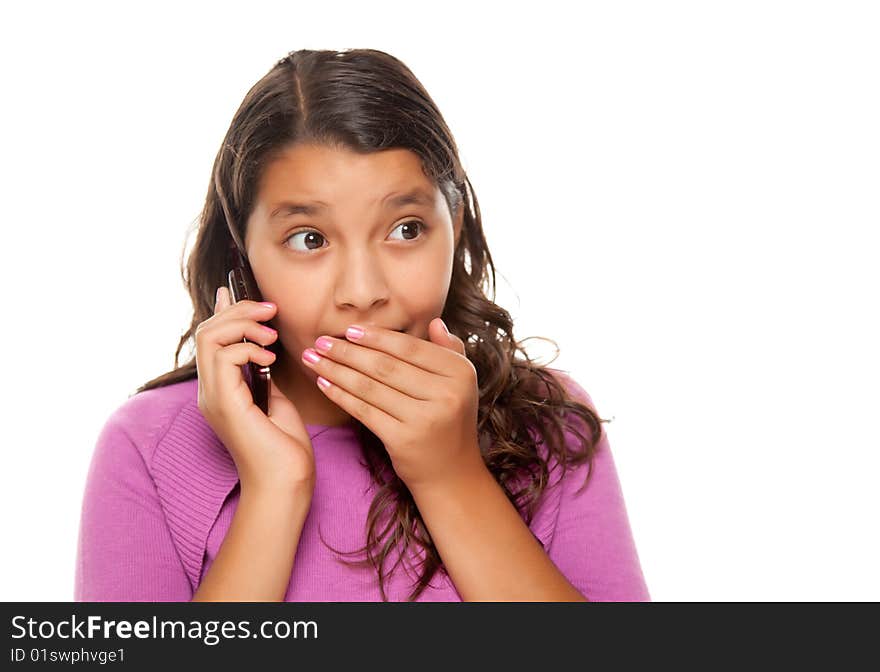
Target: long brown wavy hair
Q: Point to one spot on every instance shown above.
(367, 100)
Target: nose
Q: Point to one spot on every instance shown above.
(361, 283)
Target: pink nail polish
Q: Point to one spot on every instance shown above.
(354, 332)
(311, 356)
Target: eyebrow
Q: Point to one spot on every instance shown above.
(416, 196)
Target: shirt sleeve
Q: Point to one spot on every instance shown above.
(125, 552)
(592, 543)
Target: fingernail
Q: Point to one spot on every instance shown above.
(217, 296)
(268, 304)
(354, 332)
(311, 356)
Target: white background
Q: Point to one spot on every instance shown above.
(683, 195)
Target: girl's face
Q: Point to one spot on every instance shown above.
(331, 246)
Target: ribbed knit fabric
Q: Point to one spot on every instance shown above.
(162, 490)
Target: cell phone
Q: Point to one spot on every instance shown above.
(242, 285)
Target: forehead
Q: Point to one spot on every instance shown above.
(333, 175)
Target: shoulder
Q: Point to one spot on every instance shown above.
(561, 480)
(572, 423)
(574, 388)
(589, 490)
(574, 430)
(158, 443)
(145, 418)
(593, 477)
(576, 422)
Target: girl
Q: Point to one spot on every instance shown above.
(402, 428)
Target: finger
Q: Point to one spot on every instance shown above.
(370, 391)
(376, 419)
(416, 351)
(386, 368)
(260, 311)
(219, 297)
(229, 360)
(232, 330)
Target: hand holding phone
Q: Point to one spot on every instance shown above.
(271, 452)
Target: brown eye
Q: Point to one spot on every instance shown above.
(311, 237)
(412, 228)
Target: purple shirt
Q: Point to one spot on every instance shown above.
(162, 489)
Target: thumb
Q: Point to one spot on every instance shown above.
(440, 335)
